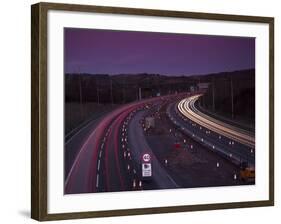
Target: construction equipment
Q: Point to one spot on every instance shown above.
(247, 173)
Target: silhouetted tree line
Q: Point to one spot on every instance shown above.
(124, 88)
(231, 94)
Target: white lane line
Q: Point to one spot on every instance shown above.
(78, 156)
(97, 182)
(99, 164)
(171, 179)
(102, 145)
(100, 153)
(81, 129)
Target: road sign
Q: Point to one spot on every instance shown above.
(146, 157)
(146, 165)
(146, 170)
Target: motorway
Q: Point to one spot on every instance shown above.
(231, 142)
(138, 145)
(103, 161)
(105, 155)
(187, 108)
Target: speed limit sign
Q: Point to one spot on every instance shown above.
(146, 157)
(146, 165)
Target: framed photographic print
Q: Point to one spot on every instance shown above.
(140, 111)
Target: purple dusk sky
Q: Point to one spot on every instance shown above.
(115, 52)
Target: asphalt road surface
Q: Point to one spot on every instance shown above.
(103, 162)
(105, 155)
(138, 145)
(231, 142)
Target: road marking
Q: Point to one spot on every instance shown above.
(187, 108)
(97, 182)
(85, 144)
(99, 164)
(79, 128)
(171, 179)
(77, 157)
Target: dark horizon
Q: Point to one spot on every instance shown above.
(166, 75)
(110, 52)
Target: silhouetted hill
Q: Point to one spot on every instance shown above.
(124, 88)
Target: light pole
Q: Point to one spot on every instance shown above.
(139, 93)
(213, 88)
(98, 96)
(123, 90)
(111, 94)
(80, 96)
(232, 104)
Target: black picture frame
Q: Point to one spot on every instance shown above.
(39, 105)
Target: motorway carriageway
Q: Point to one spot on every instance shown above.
(99, 163)
(231, 142)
